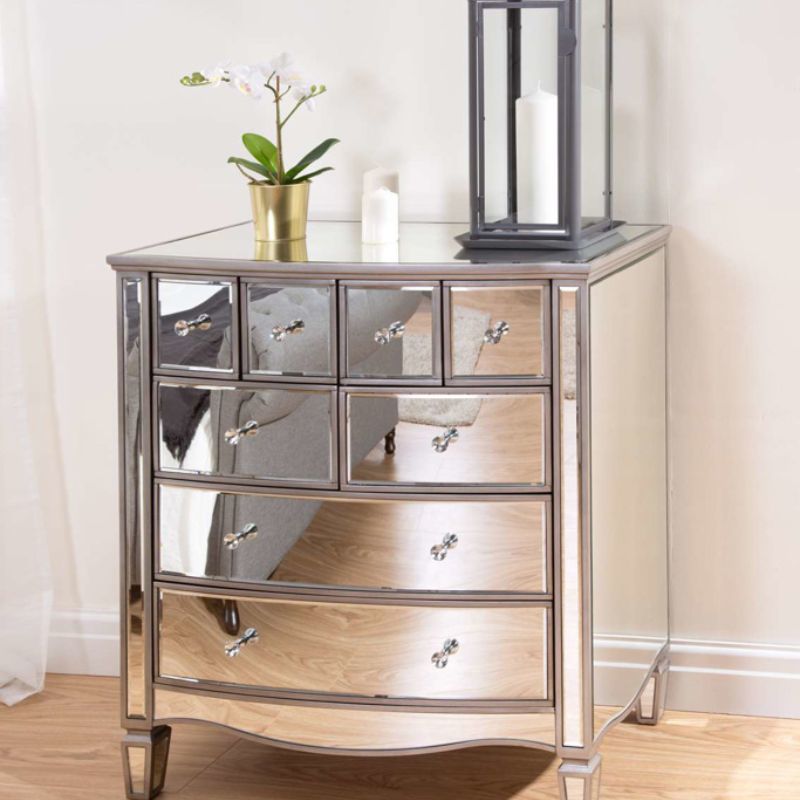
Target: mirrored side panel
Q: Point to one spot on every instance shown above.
(132, 488)
(629, 480)
(195, 328)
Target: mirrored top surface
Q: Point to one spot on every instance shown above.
(339, 243)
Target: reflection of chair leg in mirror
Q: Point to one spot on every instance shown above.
(580, 780)
(650, 705)
(389, 445)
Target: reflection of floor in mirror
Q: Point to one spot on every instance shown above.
(53, 744)
(503, 445)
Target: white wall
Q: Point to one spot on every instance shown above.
(707, 129)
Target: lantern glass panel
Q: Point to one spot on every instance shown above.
(595, 205)
(521, 120)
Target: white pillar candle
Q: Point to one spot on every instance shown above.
(380, 216)
(537, 158)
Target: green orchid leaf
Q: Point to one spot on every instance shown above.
(309, 175)
(253, 166)
(310, 158)
(263, 150)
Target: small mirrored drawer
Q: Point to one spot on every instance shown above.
(398, 545)
(488, 440)
(497, 332)
(391, 332)
(196, 328)
(291, 330)
(361, 650)
(280, 435)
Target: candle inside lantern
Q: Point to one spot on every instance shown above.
(537, 158)
(380, 207)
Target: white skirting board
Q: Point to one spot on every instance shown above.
(722, 677)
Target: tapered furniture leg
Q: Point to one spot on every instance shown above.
(388, 442)
(580, 780)
(144, 762)
(650, 706)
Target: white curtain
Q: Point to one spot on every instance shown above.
(27, 437)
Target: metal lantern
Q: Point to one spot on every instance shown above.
(540, 123)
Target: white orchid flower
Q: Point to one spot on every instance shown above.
(217, 74)
(302, 91)
(248, 80)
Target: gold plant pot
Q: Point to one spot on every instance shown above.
(279, 212)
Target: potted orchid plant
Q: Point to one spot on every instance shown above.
(278, 192)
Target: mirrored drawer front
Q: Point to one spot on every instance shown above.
(477, 439)
(392, 332)
(392, 651)
(498, 331)
(195, 328)
(450, 546)
(275, 434)
(291, 329)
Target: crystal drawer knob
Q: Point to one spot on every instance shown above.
(440, 658)
(233, 540)
(184, 327)
(494, 334)
(280, 332)
(234, 648)
(442, 442)
(393, 331)
(235, 435)
(439, 551)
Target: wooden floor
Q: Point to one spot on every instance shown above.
(64, 745)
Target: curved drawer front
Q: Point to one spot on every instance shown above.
(195, 325)
(391, 651)
(282, 435)
(497, 331)
(403, 545)
(480, 440)
(291, 329)
(391, 332)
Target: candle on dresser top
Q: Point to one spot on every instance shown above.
(537, 158)
(380, 207)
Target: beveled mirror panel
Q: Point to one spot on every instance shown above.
(427, 546)
(373, 651)
(291, 329)
(282, 435)
(194, 326)
(481, 440)
(392, 332)
(131, 368)
(629, 479)
(497, 331)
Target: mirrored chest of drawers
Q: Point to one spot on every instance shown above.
(392, 500)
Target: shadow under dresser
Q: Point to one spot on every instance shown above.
(388, 503)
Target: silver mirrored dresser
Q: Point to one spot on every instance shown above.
(392, 500)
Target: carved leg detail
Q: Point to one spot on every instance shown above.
(650, 706)
(580, 780)
(388, 442)
(144, 762)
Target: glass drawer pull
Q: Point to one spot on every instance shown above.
(235, 435)
(233, 540)
(394, 331)
(280, 332)
(494, 334)
(449, 648)
(234, 648)
(440, 551)
(442, 442)
(185, 327)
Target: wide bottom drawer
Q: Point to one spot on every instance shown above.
(404, 652)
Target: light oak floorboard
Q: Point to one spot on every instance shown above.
(64, 745)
